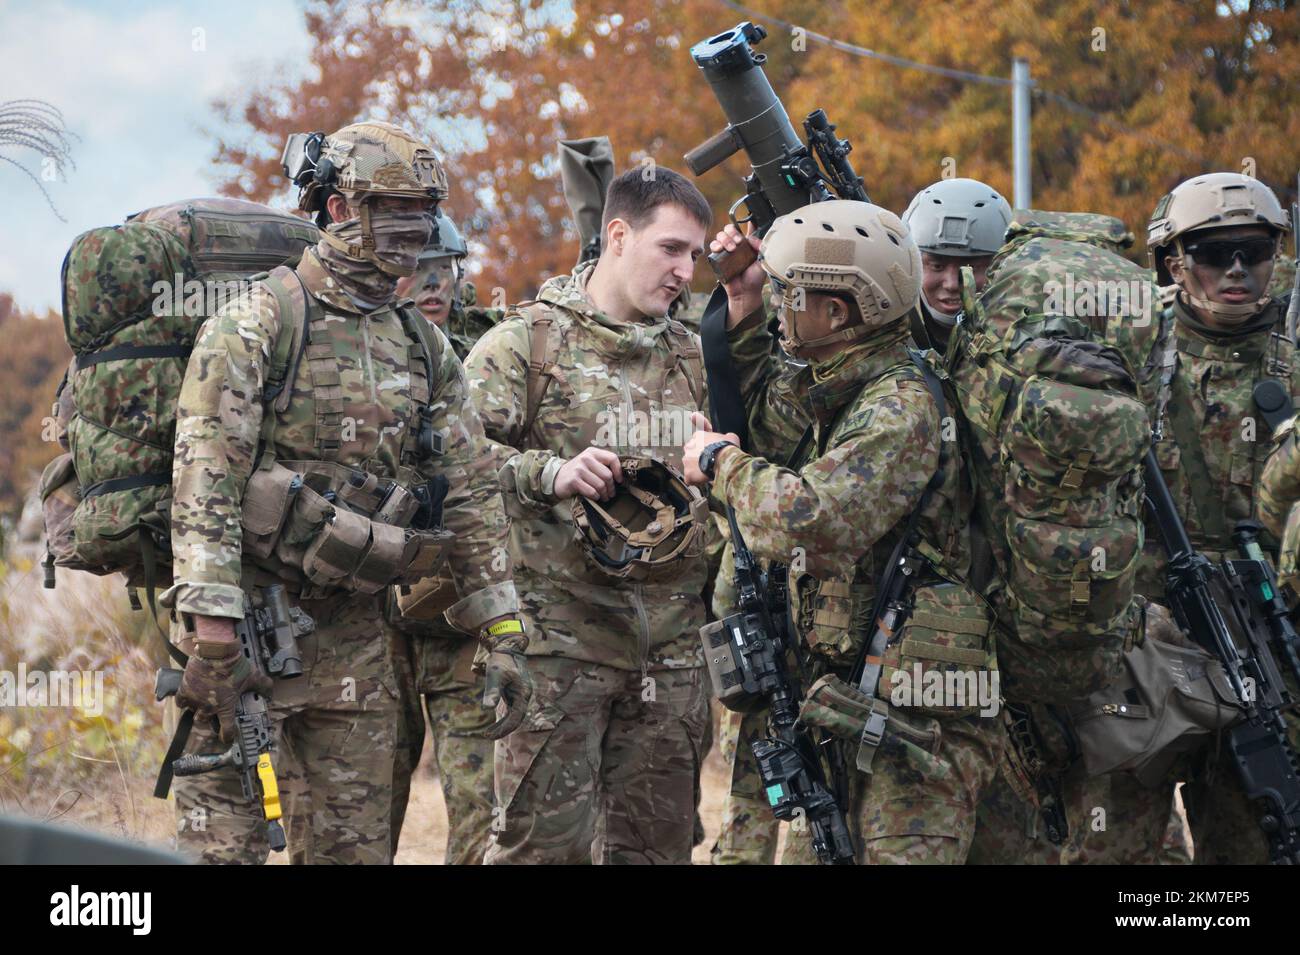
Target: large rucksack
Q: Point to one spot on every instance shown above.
(134, 298)
(1056, 367)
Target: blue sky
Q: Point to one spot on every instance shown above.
(138, 94)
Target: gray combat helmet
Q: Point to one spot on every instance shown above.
(960, 217)
(446, 240)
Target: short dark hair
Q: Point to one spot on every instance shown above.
(634, 195)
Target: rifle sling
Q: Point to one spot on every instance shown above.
(726, 405)
(863, 675)
(184, 724)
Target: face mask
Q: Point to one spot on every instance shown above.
(391, 241)
(947, 319)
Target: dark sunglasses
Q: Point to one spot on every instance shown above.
(1221, 253)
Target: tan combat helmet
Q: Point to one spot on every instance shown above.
(362, 160)
(1212, 201)
(843, 245)
(654, 522)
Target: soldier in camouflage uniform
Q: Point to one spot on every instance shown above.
(606, 765)
(432, 659)
(955, 222)
(1216, 237)
(848, 273)
(1213, 239)
(349, 433)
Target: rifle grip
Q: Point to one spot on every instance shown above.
(727, 265)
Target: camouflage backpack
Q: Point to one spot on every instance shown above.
(1056, 367)
(134, 297)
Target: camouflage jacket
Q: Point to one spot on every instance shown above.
(220, 417)
(1279, 492)
(467, 321)
(1214, 440)
(614, 385)
(877, 442)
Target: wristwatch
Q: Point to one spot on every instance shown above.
(709, 456)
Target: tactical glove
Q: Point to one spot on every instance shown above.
(507, 680)
(215, 676)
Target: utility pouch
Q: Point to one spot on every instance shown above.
(835, 617)
(268, 498)
(425, 551)
(939, 662)
(59, 498)
(845, 712)
(1166, 700)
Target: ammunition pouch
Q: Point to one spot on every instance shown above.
(936, 663)
(834, 616)
(1165, 701)
(340, 528)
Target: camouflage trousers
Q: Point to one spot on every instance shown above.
(434, 676)
(1112, 820)
(917, 806)
(1115, 820)
(605, 768)
(749, 830)
(334, 729)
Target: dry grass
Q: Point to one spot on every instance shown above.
(90, 765)
(97, 772)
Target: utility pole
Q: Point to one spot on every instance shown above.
(1021, 180)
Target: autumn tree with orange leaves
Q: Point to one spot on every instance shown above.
(1130, 99)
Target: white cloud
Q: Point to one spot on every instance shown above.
(135, 90)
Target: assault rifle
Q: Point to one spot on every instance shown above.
(268, 638)
(746, 654)
(785, 173)
(1233, 610)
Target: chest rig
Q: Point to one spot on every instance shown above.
(546, 337)
(1274, 382)
(329, 525)
(835, 614)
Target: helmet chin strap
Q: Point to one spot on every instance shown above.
(943, 318)
(1202, 301)
(796, 347)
